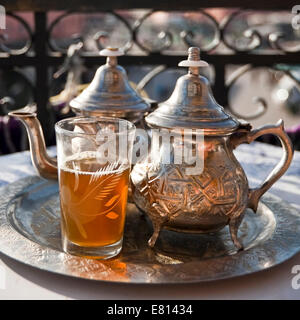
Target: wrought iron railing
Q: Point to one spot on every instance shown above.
(151, 38)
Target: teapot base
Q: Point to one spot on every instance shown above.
(199, 225)
(187, 222)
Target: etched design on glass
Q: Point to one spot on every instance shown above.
(91, 197)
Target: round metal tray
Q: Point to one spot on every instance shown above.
(30, 233)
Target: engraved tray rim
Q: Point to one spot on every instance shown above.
(280, 247)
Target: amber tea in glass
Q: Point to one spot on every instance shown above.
(93, 192)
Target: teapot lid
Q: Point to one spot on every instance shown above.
(192, 104)
(110, 93)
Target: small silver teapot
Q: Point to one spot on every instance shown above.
(219, 195)
(109, 94)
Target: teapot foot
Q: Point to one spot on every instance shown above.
(152, 240)
(157, 225)
(234, 224)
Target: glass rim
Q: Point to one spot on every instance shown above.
(59, 129)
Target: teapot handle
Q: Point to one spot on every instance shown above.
(248, 137)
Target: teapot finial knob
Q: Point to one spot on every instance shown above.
(112, 54)
(194, 54)
(193, 61)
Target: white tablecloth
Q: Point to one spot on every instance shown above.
(18, 281)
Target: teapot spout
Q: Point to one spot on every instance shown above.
(44, 164)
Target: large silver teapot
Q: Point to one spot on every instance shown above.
(219, 194)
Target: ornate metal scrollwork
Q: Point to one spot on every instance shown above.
(158, 31)
(161, 32)
(260, 102)
(149, 76)
(188, 36)
(154, 38)
(15, 92)
(100, 35)
(168, 36)
(252, 36)
(5, 36)
(92, 37)
(275, 40)
(164, 36)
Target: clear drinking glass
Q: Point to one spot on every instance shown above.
(94, 159)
